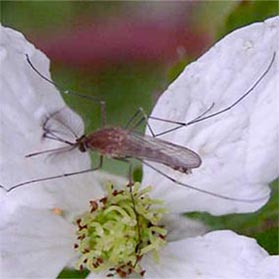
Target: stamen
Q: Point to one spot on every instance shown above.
(57, 211)
(118, 230)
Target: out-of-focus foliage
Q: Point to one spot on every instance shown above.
(248, 12)
(218, 18)
(48, 15)
(74, 274)
(211, 15)
(261, 225)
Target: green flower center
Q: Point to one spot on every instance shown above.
(119, 230)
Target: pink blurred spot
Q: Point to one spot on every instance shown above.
(120, 41)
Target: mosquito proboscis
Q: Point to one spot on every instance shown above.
(124, 143)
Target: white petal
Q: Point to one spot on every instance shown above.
(100, 275)
(35, 244)
(238, 148)
(26, 101)
(181, 227)
(219, 254)
(74, 197)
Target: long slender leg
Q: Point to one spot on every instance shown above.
(130, 121)
(59, 121)
(130, 185)
(103, 114)
(103, 118)
(55, 176)
(180, 124)
(199, 189)
(130, 174)
(55, 137)
(71, 92)
(203, 115)
(143, 118)
(53, 150)
(221, 111)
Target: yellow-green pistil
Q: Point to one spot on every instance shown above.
(119, 230)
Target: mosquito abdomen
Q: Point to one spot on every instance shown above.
(120, 143)
(155, 150)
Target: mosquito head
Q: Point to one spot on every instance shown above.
(81, 144)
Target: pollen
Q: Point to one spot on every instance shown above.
(57, 211)
(119, 230)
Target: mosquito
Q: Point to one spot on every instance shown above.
(124, 143)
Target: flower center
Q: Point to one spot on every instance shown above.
(119, 230)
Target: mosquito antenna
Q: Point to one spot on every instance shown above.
(199, 118)
(202, 190)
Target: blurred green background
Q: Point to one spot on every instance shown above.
(126, 53)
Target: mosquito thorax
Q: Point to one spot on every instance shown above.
(119, 230)
(108, 141)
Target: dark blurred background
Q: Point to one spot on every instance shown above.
(127, 53)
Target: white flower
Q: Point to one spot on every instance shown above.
(239, 148)
(37, 233)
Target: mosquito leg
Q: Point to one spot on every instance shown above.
(130, 185)
(48, 117)
(60, 149)
(50, 135)
(135, 115)
(130, 175)
(221, 111)
(199, 189)
(103, 114)
(203, 115)
(144, 118)
(181, 124)
(70, 92)
(56, 176)
(54, 150)
(52, 115)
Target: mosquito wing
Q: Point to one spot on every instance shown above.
(156, 150)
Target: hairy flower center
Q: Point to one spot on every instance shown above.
(119, 230)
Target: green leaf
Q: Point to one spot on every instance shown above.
(261, 225)
(74, 274)
(247, 12)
